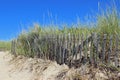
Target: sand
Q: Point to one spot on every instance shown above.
(5, 70)
(24, 68)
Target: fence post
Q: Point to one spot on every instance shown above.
(74, 53)
(71, 50)
(42, 51)
(36, 48)
(81, 47)
(86, 49)
(116, 51)
(57, 47)
(60, 48)
(65, 49)
(91, 50)
(103, 47)
(110, 48)
(68, 48)
(76, 46)
(49, 46)
(97, 52)
(13, 47)
(58, 56)
(39, 48)
(95, 48)
(54, 46)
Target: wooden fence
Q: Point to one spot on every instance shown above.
(76, 49)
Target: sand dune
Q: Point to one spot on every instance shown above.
(23, 68)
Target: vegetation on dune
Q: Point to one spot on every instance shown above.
(5, 45)
(26, 40)
(108, 22)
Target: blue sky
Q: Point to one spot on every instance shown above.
(16, 15)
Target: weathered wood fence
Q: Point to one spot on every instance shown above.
(76, 49)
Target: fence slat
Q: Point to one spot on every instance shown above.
(116, 51)
(96, 48)
(110, 48)
(81, 47)
(65, 48)
(103, 47)
(74, 55)
(60, 44)
(13, 47)
(69, 49)
(91, 51)
(61, 56)
(78, 46)
(55, 46)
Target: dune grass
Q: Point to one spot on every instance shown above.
(108, 22)
(5, 45)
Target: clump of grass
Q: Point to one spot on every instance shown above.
(25, 41)
(5, 45)
(108, 22)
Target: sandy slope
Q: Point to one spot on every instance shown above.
(6, 74)
(23, 68)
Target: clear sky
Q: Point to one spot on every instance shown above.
(16, 15)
